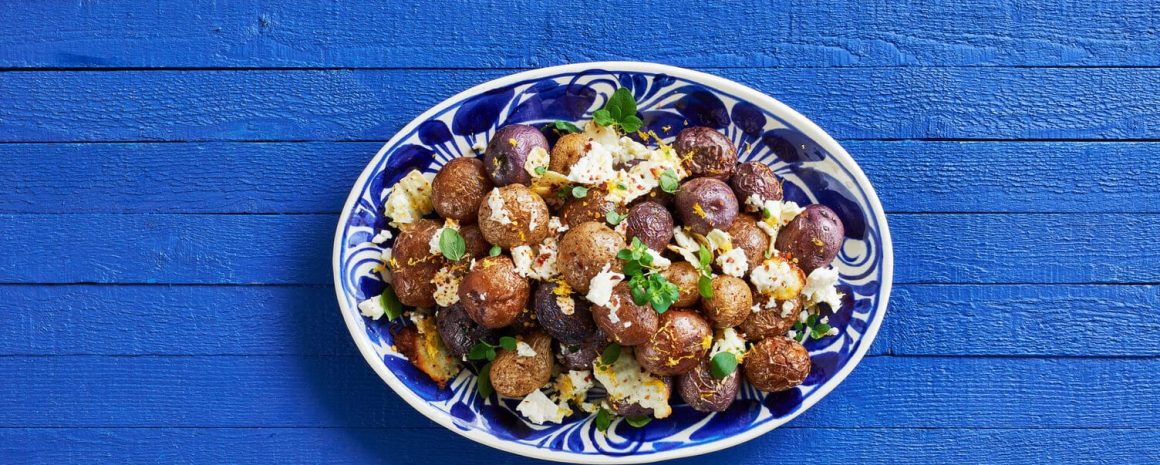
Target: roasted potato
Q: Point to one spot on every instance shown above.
(476, 246)
(580, 356)
(425, 350)
(731, 302)
(592, 207)
(625, 322)
(565, 317)
(771, 320)
(813, 238)
(680, 342)
(513, 215)
(651, 223)
(458, 189)
(516, 375)
(776, 363)
(705, 204)
(459, 332)
(508, 151)
(492, 293)
(568, 150)
(753, 183)
(705, 393)
(685, 276)
(705, 151)
(413, 266)
(585, 250)
(747, 236)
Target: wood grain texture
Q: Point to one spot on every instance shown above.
(341, 391)
(923, 320)
(317, 33)
(786, 445)
(295, 249)
(864, 103)
(215, 177)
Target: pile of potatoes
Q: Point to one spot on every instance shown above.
(494, 204)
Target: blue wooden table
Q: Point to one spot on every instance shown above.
(171, 173)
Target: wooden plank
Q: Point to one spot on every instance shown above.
(789, 445)
(864, 103)
(328, 391)
(909, 176)
(295, 249)
(925, 320)
(317, 33)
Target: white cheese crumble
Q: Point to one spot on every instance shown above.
(614, 310)
(771, 231)
(372, 308)
(499, 212)
(539, 409)
(446, 282)
(778, 277)
(686, 246)
(409, 199)
(626, 381)
(556, 226)
(821, 286)
(659, 262)
(728, 341)
(525, 350)
(383, 236)
(733, 263)
(600, 287)
(786, 308)
(574, 386)
(537, 263)
(595, 167)
(781, 212)
(719, 240)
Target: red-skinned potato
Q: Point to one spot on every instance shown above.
(651, 223)
(413, 266)
(705, 393)
(492, 293)
(507, 152)
(813, 238)
(705, 204)
(754, 178)
(705, 151)
(625, 322)
(459, 188)
(680, 342)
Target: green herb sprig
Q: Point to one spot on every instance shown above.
(451, 244)
(705, 282)
(483, 350)
(391, 305)
(723, 364)
(646, 285)
(669, 181)
(620, 110)
(813, 328)
(564, 127)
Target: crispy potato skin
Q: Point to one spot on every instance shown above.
(492, 293)
(651, 223)
(776, 363)
(813, 238)
(507, 152)
(705, 393)
(731, 303)
(705, 204)
(528, 215)
(752, 178)
(747, 236)
(569, 149)
(568, 328)
(459, 188)
(680, 342)
(706, 152)
(513, 375)
(580, 356)
(769, 322)
(592, 207)
(585, 250)
(459, 332)
(685, 276)
(413, 267)
(634, 324)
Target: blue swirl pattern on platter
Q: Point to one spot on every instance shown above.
(666, 104)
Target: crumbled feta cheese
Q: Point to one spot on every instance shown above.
(600, 287)
(537, 158)
(499, 212)
(686, 246)
(595, 167)
(556, 226)
(778, 277)
(605, 135)
(574, 385)
(566, 303)
(525, 350)
(383, 236)
(446, 282)
(536, 263)
(719, 240)
(771, 231)
(614, 310)
(626, 381)
(821, 286)
(539, 409)
(630, 150)
(781, 212)
(659, 262)
(409, 199)
(549, 183)
(729, 341)
(372, 308)
(734, 262)
(786, 308)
